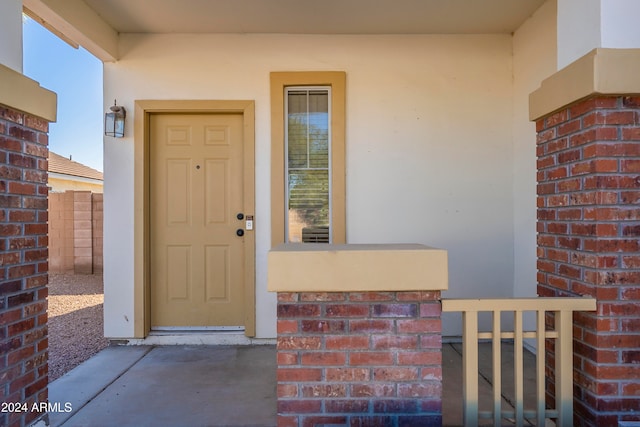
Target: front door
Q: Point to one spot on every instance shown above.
(197, 260)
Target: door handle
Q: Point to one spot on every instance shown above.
(240, 232)
(240, 216)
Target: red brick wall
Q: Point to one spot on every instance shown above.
(589, 244)
(23, 262)
(359, 359)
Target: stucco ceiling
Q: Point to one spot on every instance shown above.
(315, 16)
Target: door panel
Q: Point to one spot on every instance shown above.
(196, 190)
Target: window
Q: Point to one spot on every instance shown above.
(308, 185)
(308, 129)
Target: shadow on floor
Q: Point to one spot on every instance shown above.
(221, 386)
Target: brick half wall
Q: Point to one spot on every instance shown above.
(359, 359)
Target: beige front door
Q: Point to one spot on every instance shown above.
(197, 271)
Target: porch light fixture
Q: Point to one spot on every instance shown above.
(114, 121)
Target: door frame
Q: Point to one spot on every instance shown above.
(142, 266)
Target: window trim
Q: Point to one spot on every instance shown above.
(337, 81)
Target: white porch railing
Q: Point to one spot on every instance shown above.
(562, 333)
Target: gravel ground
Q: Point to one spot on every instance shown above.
(75, 321)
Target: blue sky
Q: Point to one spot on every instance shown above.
(76, 76)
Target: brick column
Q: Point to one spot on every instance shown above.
(588, 244)
(23, 263)
(359, 359)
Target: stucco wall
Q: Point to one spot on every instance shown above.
(584, 25)
(534, 59)
(57, 185)
(429, 144)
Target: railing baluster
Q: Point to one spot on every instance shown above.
(470, 367)
(518, 366)
(497, 370)
(540, 368)
(563, 334)
(564, 368)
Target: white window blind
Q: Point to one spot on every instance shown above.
(308, 169)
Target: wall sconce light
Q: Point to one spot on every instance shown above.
(114, 121)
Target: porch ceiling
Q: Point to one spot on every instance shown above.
(96, 24)
(315, 17)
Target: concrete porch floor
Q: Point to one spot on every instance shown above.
(220, 386)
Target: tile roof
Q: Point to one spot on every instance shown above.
(62, 165)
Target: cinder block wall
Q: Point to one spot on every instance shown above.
(23, 263)
(82, 232)
(61, 232)
(75, 228)
(589, 244)
(96, 229)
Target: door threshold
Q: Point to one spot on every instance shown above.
(186, 329)
(200, 338)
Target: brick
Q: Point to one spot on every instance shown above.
(322, 326)
(373, 390)
(298, 374)
(19, 383)
(395, 406)
(420, 358)
(287, 390)
(287, 326)
(21, 271)
(9, 172)
(401, 342)
(9, 258)
(298, 310)
(19, 299)
(347, 342)
(371, 296)
(324, 390)
(568, 127)
(350, 406)
(557, 118)
(395, 310)
(37, 281)
(286, 358)
(431, 373)
(10, 230)
(322, 296)
(22, 216)
(299, 343)
(431, 389)
(31, 229)
(347, 374)
(630, 166)
(371, 358)
(299, 406)
(318, 421)
(431, 309)
(370, 326)
(36, 387)
(569, 156)
(347, 310)
(20, 327)
(395, 374)
(36, 123)
(324, 358)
